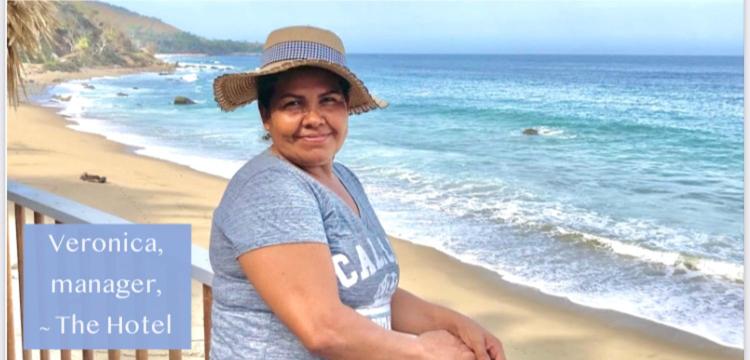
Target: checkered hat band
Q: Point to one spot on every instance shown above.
(292, 50)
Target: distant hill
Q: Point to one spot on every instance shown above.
(93, 33)
(157, 36)
(80, 41)
(128, 22)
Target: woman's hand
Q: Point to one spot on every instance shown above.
(414, 315)
(484, 345)
(442, 345)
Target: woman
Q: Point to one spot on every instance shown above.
(323, 278)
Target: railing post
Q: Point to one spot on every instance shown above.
(39, 219)
(11, 337)
(207, 299)
(20, 221)
(64, 354)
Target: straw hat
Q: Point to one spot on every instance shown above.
(292, 47)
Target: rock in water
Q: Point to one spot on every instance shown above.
(181, 100)
(530, 131)
(122, 94)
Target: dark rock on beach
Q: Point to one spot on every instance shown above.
(530, 131)
(181, 100)
(93, 178)
(88, 86)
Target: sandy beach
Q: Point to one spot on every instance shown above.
(44, 153)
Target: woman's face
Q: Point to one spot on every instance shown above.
(307, 116)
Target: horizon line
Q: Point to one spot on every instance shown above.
(545, 54)
(486, 54)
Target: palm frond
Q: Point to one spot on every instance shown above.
(29, 24)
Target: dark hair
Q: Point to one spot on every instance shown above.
(266, 85)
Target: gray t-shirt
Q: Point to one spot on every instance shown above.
(271, 201)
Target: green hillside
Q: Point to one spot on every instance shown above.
(80, 41)
(92, 33)
(157, 36)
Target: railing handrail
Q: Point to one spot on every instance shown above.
(71, 212)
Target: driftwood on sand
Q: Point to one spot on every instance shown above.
(93, 178)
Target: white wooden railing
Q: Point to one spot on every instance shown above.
(45, 205)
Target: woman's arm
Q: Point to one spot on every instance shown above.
(411, 314)
(298, 283)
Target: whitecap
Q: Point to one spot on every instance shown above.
(189, 77)
(727, 270)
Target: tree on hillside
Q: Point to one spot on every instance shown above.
(29, 24)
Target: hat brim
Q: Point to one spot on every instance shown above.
(232, 91)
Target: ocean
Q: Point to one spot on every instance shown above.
(630, 197)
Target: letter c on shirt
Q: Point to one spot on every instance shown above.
(338, 261)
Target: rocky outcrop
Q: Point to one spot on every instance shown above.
(182, 100)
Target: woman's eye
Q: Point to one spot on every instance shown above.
(292, 103)
(331, 100)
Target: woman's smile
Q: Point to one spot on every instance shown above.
(315, 138)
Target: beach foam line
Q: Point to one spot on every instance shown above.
(224, 168)
(192, 77)
(733, 272)
(74, 111)
(632, 303)
(575, 298)
(522, 210)
(211, 65)
(205, 66)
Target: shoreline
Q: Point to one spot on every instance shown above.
(36, 80)
(660, 331)
(633, 336)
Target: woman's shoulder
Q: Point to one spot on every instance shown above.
(260, 166)
(262, 176)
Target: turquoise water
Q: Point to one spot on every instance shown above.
(631, 197)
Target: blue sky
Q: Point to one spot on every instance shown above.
(667, 27)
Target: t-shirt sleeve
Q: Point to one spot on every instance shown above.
(272, 207)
